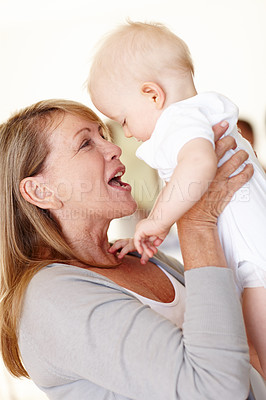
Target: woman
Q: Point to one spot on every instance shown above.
(74, 317)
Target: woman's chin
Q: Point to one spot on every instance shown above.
(125, 209)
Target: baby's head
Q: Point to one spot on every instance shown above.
(138, 70)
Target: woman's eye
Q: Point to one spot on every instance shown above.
(101, 132)
(86, 143)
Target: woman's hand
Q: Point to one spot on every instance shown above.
(197, 229)
(221, 190)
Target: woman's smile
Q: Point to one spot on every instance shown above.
(116, 182)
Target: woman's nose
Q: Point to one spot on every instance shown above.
(112, 151)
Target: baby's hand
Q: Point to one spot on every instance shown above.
(126, 246)
(148, 235)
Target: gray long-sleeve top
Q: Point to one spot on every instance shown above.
(82, 337)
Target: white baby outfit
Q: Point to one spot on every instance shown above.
(242, 225)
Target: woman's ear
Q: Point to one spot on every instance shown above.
(155, 93)
(39, 194)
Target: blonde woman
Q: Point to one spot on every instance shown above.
(77, 320)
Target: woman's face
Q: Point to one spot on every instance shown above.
(84, 171)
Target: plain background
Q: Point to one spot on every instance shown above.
(46, 48)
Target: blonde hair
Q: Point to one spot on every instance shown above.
(27, 232)
(140, 48)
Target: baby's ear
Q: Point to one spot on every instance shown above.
(39, 194)
(155, 93)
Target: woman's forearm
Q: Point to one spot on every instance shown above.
(200, 246)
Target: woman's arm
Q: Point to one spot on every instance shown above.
(197, 229)
(201, 250)
(254, 306)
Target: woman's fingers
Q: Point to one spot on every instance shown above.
(223, 187)
(219, 129)
(231, 165)
(223, 145)
(237, 181)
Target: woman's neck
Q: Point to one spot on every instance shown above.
(90, 244)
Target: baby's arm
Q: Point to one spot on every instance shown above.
(254, 311)
(197, 164)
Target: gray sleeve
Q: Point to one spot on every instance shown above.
(88, 331)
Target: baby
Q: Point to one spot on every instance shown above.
(142, 77)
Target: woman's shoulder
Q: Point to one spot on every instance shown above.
(64, 278)
(67, 293)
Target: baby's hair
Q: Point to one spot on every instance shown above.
(145, 50)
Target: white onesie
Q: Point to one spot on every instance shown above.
(242, 225)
